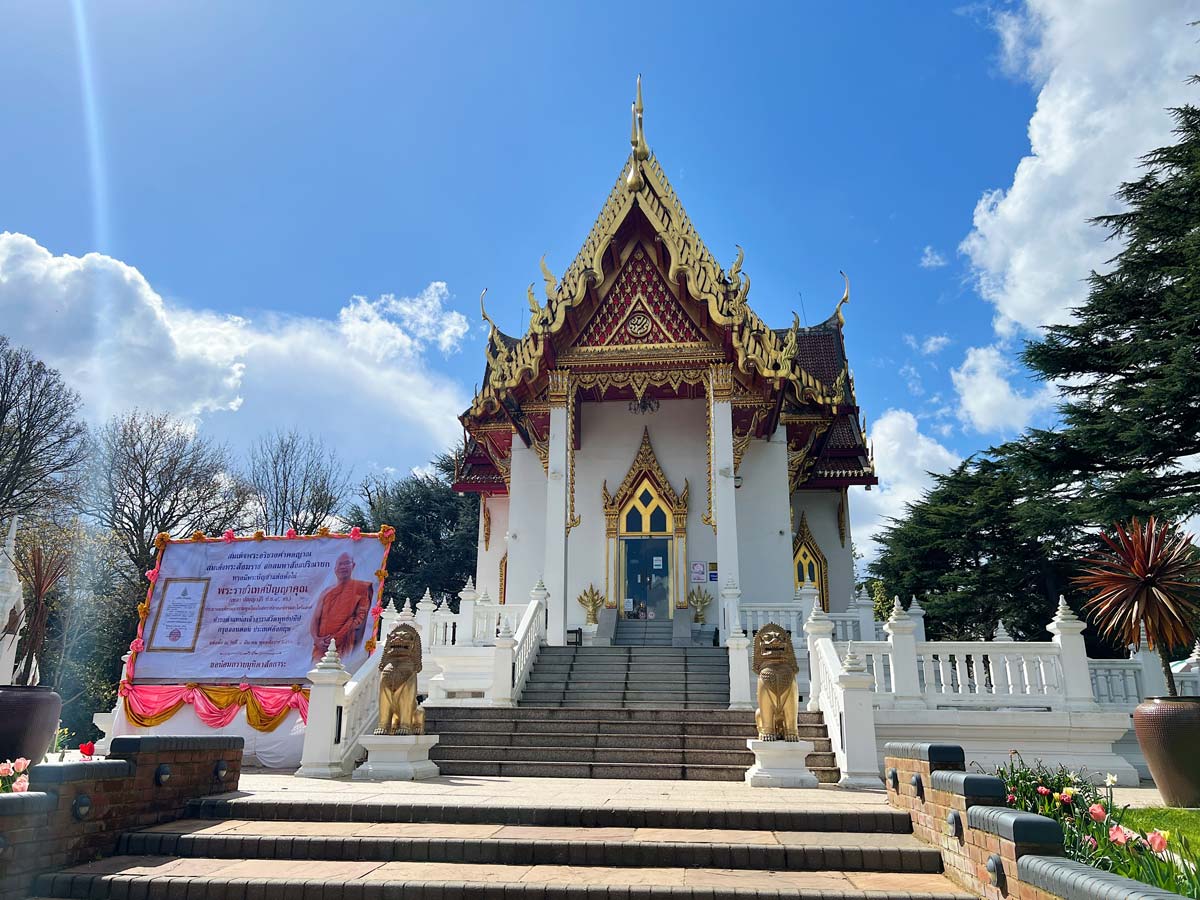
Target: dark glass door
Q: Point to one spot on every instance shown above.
(647, 577)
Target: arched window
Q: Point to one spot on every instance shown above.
(646, 513)
(808, 563)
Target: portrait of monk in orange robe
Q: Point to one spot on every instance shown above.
(341, 611)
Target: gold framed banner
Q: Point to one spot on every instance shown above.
(179, 614)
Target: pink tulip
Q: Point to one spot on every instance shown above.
(1157, 841)
(21, 785)
(1090, 841)
(6, 769)
(1011, 798)
(20, 764)
(1043, 790)
(1096, 811)
(1119, 835)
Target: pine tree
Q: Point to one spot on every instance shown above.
(1128, 365)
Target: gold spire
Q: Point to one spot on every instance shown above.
(640, 150)
(637, 140)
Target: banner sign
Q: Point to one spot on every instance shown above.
(258, 609)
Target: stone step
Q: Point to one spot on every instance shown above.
(633, 756)
(601, 727)
(621, 771)
(621, 678)
(480, 713)
(627, 704)
(533, 845)
(283, 879)
(573, 739)
(696, 652)
(666, 697)
(368, 809)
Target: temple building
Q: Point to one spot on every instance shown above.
(650, 437)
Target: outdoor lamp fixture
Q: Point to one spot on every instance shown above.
(220, 770)
(82, 807)
(162, 774)
(737, 481)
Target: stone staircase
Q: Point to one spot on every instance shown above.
(643, 633)
(355, 846)
(630, 677)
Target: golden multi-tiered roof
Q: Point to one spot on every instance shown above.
(645, 307)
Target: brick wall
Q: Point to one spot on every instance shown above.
(996, 852)
(74, 812)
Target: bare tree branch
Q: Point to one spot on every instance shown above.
(296, 482)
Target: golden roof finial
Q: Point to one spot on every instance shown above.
(845, 299)
(483, 312)
(640, 150)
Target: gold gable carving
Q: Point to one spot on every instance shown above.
(645, 464)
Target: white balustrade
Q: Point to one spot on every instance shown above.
(1116, 682)
(789, 617)
(991, 674)
(847, 627)
(528, 637)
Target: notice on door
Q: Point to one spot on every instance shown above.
(658, 562)
(699, 570)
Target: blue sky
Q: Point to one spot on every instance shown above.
(244, 171)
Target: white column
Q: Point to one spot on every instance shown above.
(818, 626)
(1068, 635)
(558, 473)
(502, 667)
(808, 598)
(388, 620)
(740, 692)
(865, 609)
(467, 598)
(731, 612)
(906, 684)
(1154, 682)
(858, 720)
(321, 757)
(424, 616)
(724, 500)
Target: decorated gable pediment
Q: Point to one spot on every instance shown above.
(639, 310)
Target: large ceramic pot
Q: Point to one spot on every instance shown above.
(1168, 731)
(28, 720)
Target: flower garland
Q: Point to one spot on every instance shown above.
(147, 703)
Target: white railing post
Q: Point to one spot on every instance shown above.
(808, 600)
(740, 696)
(1154, 682)
(916, 612)
(1077, 677)
(320, 757)
(731, 614)
(1072, 654)
(424, 616)
(866, 615)
(906, 679)
(1192, 663)
(861, 769)
(388, 620)
(466, 611)
(817, 627)
(502, 667)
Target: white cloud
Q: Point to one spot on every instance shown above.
(362, 380)
(912, 379)
(903, 458)
(935, 343)
(986, 399)
(1106, 71)
(931, 259)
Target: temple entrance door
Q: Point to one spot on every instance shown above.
(646, 573)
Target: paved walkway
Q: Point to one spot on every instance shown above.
(555, 792)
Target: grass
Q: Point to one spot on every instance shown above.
(1178, 821)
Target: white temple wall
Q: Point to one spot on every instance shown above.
(609, 439)
(764, 524)
(487, 566)
(821, 508)
(526, 523)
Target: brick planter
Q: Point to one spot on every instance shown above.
(987, 848)
(74, 812)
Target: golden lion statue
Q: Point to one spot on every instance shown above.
(398, 710)
(778, 697)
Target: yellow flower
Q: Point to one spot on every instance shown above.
(260, 535)
(160, 540)
(323, 531)
(197, 535)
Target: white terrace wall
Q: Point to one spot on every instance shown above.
(491, 551)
